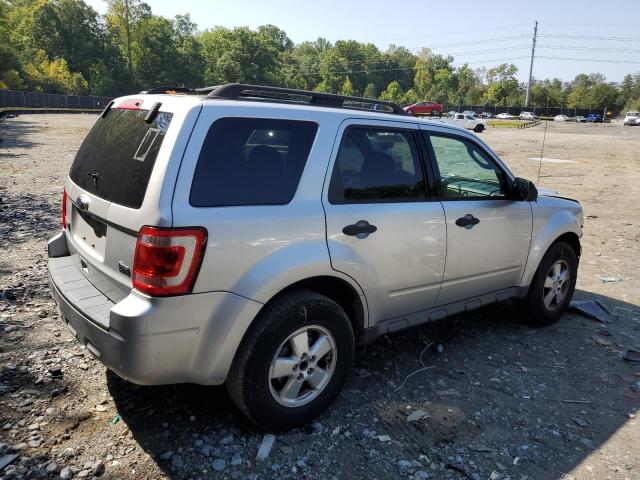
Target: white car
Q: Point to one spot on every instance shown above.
(560, 118)
(464, 120)
(632, 118)
(504, 116)
(528, 116)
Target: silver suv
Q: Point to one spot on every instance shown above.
(254, 236)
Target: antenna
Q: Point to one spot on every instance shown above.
(544, 137)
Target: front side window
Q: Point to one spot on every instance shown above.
(377, 165)
(251, 161)
(465, 171)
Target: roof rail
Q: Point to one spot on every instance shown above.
(169, 89)
(235, 91)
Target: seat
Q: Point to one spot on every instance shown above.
(378, 169)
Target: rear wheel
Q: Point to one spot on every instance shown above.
(478, 128)
(553, 285)
(293, 362)
(436, 113)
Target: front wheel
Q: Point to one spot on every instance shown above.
(293, 362)
(553, 285)
(478, 128)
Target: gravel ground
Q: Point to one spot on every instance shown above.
(498, 401)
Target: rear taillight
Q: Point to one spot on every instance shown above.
(64, 208)
(167, 260)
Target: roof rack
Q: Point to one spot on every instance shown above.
(235, 91)
(169, 89)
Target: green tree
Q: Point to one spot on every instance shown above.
(346, 88)
(393, 93)
(503, 87)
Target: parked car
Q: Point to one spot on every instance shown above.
(425, 108)
(464, 120)
(486, 115)
(632, 118)
(469, 112)
(594, 118)
(528, 116)
(580, 119)
(229, 237)
(504, 116)
(560, 118)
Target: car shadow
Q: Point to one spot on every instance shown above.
(14, 133)
(489, 394)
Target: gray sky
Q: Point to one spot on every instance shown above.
(575, 36)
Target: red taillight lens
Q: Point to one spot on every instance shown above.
(167, 260)
(64, 208)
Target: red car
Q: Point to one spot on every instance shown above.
(424, 108)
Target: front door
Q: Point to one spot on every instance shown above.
(383, 228)
(488, 233)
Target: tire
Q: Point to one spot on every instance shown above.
(478, 128)
(255, 383)
(436, 113)
(537, 311)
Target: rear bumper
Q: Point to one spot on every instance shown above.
(148, 340)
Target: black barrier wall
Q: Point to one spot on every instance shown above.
(15, 98)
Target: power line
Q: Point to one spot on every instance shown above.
(590, 49)
(590, 60)
(591, 37)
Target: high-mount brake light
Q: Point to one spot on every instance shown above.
(167, 260)
(130, 104)
(64, 208)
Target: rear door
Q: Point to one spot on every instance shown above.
(118, 183)
(383, 228)
(488, 233)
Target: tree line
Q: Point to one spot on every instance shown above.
(65, 46)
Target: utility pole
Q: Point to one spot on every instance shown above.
(533, 52)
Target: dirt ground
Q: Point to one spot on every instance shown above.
(501, 401)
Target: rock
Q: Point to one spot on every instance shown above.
(301, 463)
(166, 455)
(52, 467)
(422, 474)
(265, 447)
(236, 459)
(226, 440)
(19, 446)
(7, 459)
(176, 461)
(219, 464)
(34, 443)
(417, 415)
(198, 443)
(384, 438)
(98, 469)
(66, 473)
(33, 426)
(84, 473)
(404, 464)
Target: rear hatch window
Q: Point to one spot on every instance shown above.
(116, 159)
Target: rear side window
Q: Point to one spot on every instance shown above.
(116, 159)
(251, 161)
(377, 165)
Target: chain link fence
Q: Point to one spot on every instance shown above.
(16, 98)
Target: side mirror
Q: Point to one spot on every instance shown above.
(524, 190)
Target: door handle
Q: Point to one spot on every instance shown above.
(360, 229)
(468, 221)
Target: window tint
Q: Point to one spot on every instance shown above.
(377, 165)
(465, 170)
(251, 161)
(115, 161)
